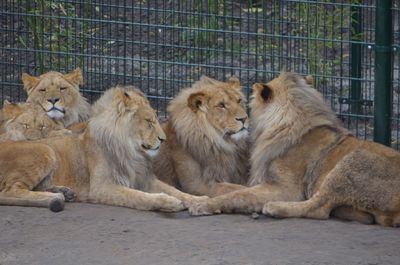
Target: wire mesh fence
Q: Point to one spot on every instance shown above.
(163, 46)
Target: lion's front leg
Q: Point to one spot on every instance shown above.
(60, 132)
(224, 187)
(116, 195)
(246, 200)
(187, 199)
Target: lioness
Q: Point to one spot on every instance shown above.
(28, 121)
(206, 144)
(108, 163)
(58, 95)
(304, 163)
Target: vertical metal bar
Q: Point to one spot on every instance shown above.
(355, 53)
(383, 72)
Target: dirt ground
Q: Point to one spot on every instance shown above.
(86, 234)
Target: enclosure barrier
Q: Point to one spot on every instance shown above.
(349, 46)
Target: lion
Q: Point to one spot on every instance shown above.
(58, 95)
(10, 111)
(28, 121)
(109, 163)
(305, 164)
(206, 151)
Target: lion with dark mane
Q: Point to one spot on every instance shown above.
(305, 164)
(206, 151)
(109, 163)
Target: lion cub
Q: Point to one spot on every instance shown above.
(27, 121)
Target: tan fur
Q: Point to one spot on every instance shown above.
(28, 121)
(109, 163)
(10, 111)
(201, 155)
(58, 95)
(305, 164)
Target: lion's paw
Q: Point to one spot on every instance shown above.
(193, 200)
(57, 203)
(169, 204)
(273, 209)
(69, 194)
(202, 208)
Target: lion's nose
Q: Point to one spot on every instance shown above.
(242, 120)
(53, 100)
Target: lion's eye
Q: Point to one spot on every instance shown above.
(42, 90)
(63, 88)
(149, 123)
(221, 105)
(239, 100)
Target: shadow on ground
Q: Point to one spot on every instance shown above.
(85, 234)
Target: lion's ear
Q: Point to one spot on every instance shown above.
(207, 80)
(29, 82)
(262, 90)
(197, 101)
(309, 80)
(6, 102)
(124, 102)
(75, 77)
(234, 80)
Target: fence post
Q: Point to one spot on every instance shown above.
(355, 53)
(383, 72)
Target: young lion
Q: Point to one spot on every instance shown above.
(10, 111)
(304, 163)
(107, 164)
(58, 95)
(28, 121)
(206, 143)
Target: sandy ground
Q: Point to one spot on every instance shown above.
(96, 234)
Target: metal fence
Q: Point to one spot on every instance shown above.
(163, 46)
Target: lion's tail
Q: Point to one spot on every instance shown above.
(55, 204)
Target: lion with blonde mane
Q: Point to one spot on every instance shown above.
(109, 163)
(58, 95)
(206, 151)
(305, 164)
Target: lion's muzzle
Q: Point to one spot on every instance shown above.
(242, 133)
(151, 150)
(53, 109)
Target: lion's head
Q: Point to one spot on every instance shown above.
(289, 98)
(282, 111)
(213, 109)
(58, 95)
(134, 119)
(10, 110)
(27, 121)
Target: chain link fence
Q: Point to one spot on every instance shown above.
(163, 46)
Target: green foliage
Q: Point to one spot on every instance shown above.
(202, 29)
(322, 28)
(57, 32)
